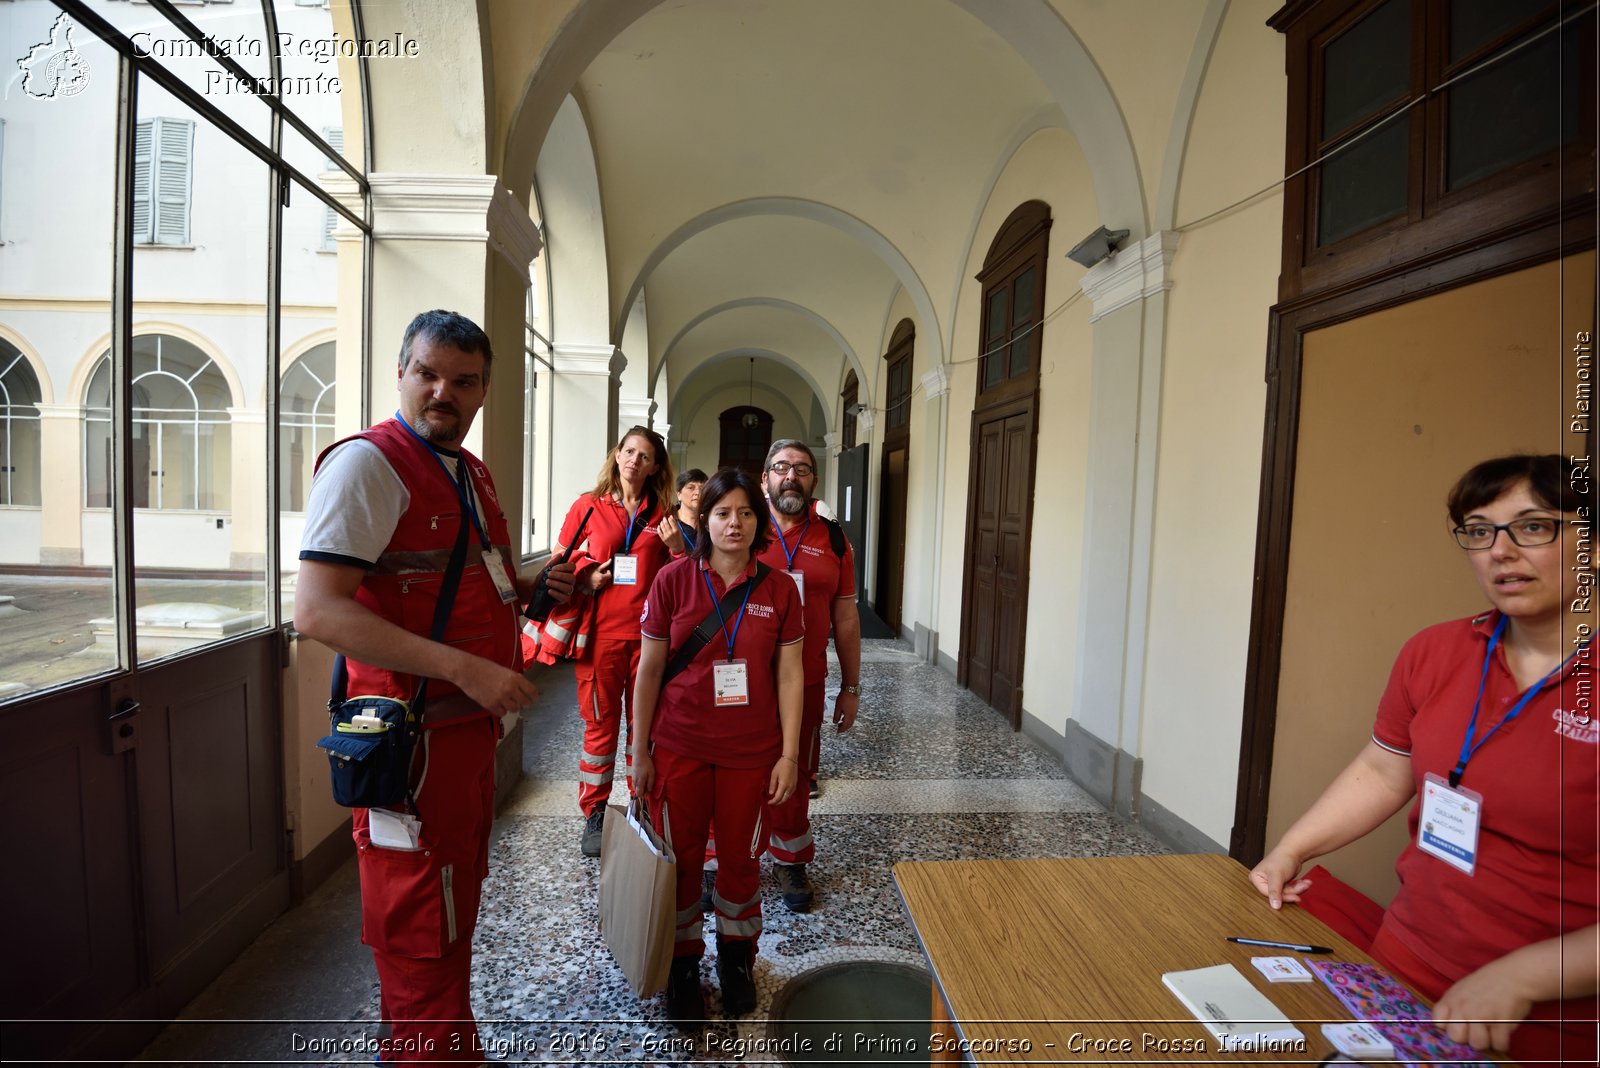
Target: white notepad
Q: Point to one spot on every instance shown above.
(1231, 1008)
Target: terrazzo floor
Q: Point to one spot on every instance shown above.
(928, 773)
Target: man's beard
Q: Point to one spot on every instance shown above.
(791, 500)
(442, 431)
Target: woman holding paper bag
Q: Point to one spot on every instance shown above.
(618, 561)
(1488, 726)
(718, 726)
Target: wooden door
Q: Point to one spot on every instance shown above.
(999, 524)
(889, 592)
(746, 435)
(850, 505)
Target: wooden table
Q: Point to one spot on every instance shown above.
(1066, 956)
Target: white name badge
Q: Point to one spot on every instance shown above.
(799, 584)
(625, 570)
(1448, 826)
(497, 574)
(730, 683)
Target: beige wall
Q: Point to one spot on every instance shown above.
(1394, 407)
(1212, 406)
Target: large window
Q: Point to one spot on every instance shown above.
(181, 436)
(1013, 304)
(19, 429)
(305, 421)
(1429, 124)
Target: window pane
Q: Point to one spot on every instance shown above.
(1366, 66)
(1366, 184)
(202, 369)
(19, 429)
(994, 362)
(1515, 109)
(58, 618)
(1474, 23)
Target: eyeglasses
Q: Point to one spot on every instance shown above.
(783, 467)
(1526, 533)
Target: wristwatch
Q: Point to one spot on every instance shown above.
(851, 689)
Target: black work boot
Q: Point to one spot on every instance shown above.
(686, 1002)
(594, 829)
(735, 961)
(794, 886)
(708, 887)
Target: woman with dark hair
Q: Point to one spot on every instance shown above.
(677, 529)
(719, 738)
(1487, 729)
(616, 561)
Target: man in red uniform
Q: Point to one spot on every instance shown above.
(812, 550)
(385, 510)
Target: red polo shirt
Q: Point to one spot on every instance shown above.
(687, 721)
(827, 576)
(1538, 871)
(617, 613)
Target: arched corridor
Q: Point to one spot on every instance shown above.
(928, 773)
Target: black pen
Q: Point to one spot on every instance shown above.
(1280, 945)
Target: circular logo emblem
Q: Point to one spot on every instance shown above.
(66, 74)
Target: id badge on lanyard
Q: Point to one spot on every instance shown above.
(730, 683)
(625, 570)
(799, 584)
(497, 574)
(1447, 827)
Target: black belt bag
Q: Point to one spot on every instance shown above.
(371, 739)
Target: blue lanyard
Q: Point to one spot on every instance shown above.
(1468, 748)
(784, 545)
(461, 490)
(633, 517)
(687, 532)
(737, 620)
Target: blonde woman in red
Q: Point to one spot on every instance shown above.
(615, 564)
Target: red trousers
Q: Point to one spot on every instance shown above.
(1555, 1031)
(605, 689)
(419, 908)
(790, 821)
(691, 792)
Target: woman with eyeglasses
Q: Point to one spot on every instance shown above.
(1488, 731)
(720, 737)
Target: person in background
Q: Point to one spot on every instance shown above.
(721, 738)
(615, 565)
(384, 513)
(813, 551)
(1486, 730)
(677, 529)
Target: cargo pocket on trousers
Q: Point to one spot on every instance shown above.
(403, 902)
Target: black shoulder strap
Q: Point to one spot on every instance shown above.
(710, 625)
(339, 690)
(836, 536)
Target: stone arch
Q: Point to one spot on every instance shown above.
(811, 210)
(1037, 33)
(761, 354)
(573, 224)
(852, 361)
(29, 353)
(84, 369)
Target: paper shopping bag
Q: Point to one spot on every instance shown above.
(638, 906)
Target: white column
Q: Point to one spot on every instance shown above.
(61, 499)
(586, 381)
(1128, 292)
(247, 537)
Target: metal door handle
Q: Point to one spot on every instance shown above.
(123, 725)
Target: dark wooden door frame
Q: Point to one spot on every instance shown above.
(1288, 323)
(892, 558)
(1024, 404)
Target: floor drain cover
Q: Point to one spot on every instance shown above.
(859, 1012)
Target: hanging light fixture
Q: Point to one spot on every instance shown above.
(751, 420)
